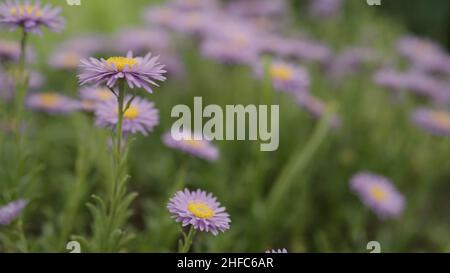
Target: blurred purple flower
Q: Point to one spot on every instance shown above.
(11, 211)
(285, 76)
(316, 107)
(92, 96)
(349, 61)
(200, 210)
(137, 72)
(52, 103)
(325, 8)
(437, 122)
(141, 40)
(379, 194)
(424, 54)
(30, 17)
(259, 8)
(191, 143)
(66, 59)
(140, 117)
(9, 51)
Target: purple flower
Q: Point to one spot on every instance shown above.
(389, 78)
(137, 72)
(30, 17)
(285, 76)
(325, 8)
(163, 16)
(349, 61)
(379, 194)
(437, 122)
(424, 54)
(200, 210)
(92, 96)
(189, 5)
(9, 51)
(52, 103)
(316, 108)
(279, 250)
(11, 211)
(191, 143)
(142, 40)
(66, 59)
(257, 8)
(140, 117)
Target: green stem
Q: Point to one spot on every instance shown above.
(21, 85)
(298, 162)
(188, 239)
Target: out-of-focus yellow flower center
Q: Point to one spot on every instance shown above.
(104, 94)
(22, 10)
(281, 72)
(441, 118)
(49, 100)
(200, 210)
(131, 113)
(71, 59)
(378, 193)
(197, 144)
(121, 62)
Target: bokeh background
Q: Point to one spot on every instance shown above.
(316, 211)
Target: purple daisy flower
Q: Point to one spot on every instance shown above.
(325, 8)
(137, 72)
(424, 54)
(316, 108)
(92, 96)
(30, 17)
(278, 250)
(200, 210)
(191, 143)
(257, 8)
(379, 194)
(437, 122)
(11, 211)
(190, 5)
(391, 79)
(140, 117)
(52, 103)
(162, 16)
(349, 61)
(285, 76)
(66, 59)
(9, 51)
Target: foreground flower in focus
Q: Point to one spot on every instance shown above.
(437, 122)
(52, 103)
(140, 117)
(193, 144)
(138, 72)
(11, 211)
(30, 17)
(279, 250)
(200, 210)
(379, 194)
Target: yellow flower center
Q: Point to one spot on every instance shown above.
(104, 94)
(200, 210)
(22, 10)
(49, 100)
(281, 72)
(197, 144)
(441, 118)
(122, 62)
(71, 59)
(131, 113)
(378, 193)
